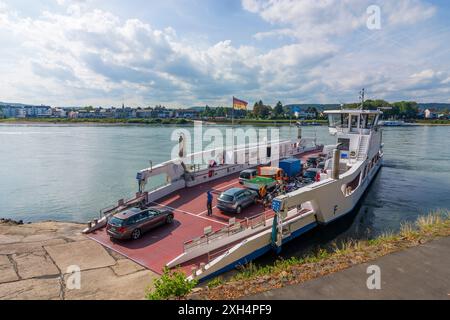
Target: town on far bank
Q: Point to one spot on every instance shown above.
(405, 110)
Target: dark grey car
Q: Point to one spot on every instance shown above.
(236, 199)
(133, 223)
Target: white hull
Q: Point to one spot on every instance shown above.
(320, 203)
(320, 195)
(339, 190)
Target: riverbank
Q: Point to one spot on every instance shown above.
(113, 122)
(433, 122)
(417, 273)
(270, 122)
(152, 122)
(253, 280)
(134, 122)
(36, 260)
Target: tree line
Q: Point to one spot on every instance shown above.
(396, 110)
(260, 111)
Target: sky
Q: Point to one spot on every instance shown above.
(182, 53)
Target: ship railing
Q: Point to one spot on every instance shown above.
(124, 204)
(258, 220)
(213, 236)
(232, 229)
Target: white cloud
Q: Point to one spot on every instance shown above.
(95, 51)
(91, 56)
(320, 18)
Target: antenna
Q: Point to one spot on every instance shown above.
(361, 97)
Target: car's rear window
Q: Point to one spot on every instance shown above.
(117, 222)
(310, 174)
(226, 197)
(245, 175)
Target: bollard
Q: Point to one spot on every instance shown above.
(336, 162)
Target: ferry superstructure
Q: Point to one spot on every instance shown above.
(205, 246)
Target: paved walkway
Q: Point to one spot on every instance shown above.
(34, 262)
(422, 272)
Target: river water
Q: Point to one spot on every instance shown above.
(70, 172)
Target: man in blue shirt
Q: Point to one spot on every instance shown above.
(209, 202)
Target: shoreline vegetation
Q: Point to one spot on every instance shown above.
(253, 279)
(170, 121)
(434, 122)
(107, 121)
(173, 121)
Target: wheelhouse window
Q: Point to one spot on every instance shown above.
(371, 120)
(363, 121)
(354, 122)
(338, 120)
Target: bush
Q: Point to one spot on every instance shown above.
(172, 284)
(215, 282)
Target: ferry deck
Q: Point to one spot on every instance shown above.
(163, 244)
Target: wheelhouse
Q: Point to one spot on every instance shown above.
(353, 121)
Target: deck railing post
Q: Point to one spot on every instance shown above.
(194, 271)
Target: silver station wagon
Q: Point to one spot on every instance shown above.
(133, 223)
(235, 199)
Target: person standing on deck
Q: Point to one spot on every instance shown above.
(209, 202)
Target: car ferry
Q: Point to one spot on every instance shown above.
(204, 246)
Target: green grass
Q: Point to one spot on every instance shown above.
(267, 121)
(436, 121)
(215, 282)
(97, 121)
(155, 121)
(171, 285)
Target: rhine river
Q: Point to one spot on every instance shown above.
(69, 173)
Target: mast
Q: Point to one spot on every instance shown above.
(232, 131)
(361, 97)
(290, 124)
(232, 114)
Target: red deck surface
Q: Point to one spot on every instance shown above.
(159, 246)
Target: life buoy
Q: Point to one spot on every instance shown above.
(210, 173)
(318, 176)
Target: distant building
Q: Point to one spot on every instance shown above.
(187, 114)
(59, 113)
(429, 114)
(26, 111)
(144, 114)
(72, 115)
(21, 113)
(125, 113)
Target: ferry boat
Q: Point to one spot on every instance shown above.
(395, 123)
(204, 246)
(392, 123)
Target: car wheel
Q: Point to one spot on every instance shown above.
(238, 209)
(136, 234)
(169, 219)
